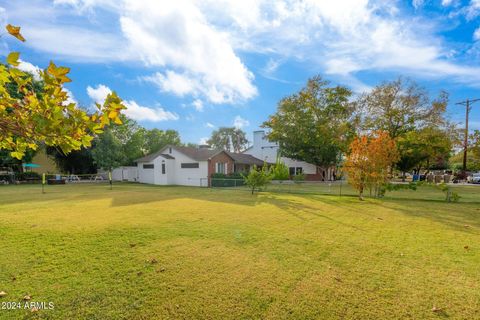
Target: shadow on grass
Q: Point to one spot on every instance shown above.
(461, 216)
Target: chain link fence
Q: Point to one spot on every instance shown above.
(467, 192)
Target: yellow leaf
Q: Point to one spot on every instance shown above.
(12, 58)
(59, 73)
(18, 155)
(113, 114)
(118, 121)
(15, 31)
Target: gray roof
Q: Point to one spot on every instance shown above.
(242, 158)
(202, 154)
(153, 156)
(198, 154)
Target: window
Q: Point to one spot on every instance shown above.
(169, 150)
(163, 168)
(221, 167)
(295, 170)
(193, 165)
(148, 166)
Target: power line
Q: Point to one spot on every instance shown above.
(468, 106)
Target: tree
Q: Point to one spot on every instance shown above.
(400, 106)
(257, 179)
(108, 152)
(29, 119)
(429, 147)
(76, 162)
(122, 144)
(314, 125)
(367, 165)
(156, 139)
(473, 154)
(230, 139)
(280, 171)
(406, 112)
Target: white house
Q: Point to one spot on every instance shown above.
(187, 166)
(268, 151)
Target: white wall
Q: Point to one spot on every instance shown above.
(174, 173)
(125, 174)
(146, 175)
(267, 151)
(188, 176)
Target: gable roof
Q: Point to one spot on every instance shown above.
(197, 154)
(202, 154)
(242, 158)
(152, 156)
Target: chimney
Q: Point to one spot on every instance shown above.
(258, 138)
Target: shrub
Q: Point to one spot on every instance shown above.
(257, 179)
(299, 177)
(22, 176)
(280, 171)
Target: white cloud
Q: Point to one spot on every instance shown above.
(141, 113)
(71, 97)
(209, 125)
(198, 105)
(239, 122)
(98, 94)
(177, 34)
(203, 140)
(134, 110)
(476, 34)
(193, 47)
(417, 3)
(30, 68)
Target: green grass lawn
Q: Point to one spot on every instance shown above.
(147, 252)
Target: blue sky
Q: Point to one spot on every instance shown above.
(196, 65)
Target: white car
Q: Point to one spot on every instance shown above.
(474, 178)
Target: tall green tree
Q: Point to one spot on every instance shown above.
(400, 106)
(76, 162)
(108, 152)
(156, 139)
(409, 115)
(428, 147)
(315, 124)
(229, 138)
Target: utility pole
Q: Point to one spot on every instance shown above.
(467, 103)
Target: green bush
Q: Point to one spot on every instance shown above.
(22, 176)
(299, 177)
(257, 179)
(218, 176)
(280, 171)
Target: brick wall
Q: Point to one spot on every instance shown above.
(220, 158)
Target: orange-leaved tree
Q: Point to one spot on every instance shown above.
(30, 117)
(369, 161)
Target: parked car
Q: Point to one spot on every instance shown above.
(474, 178)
